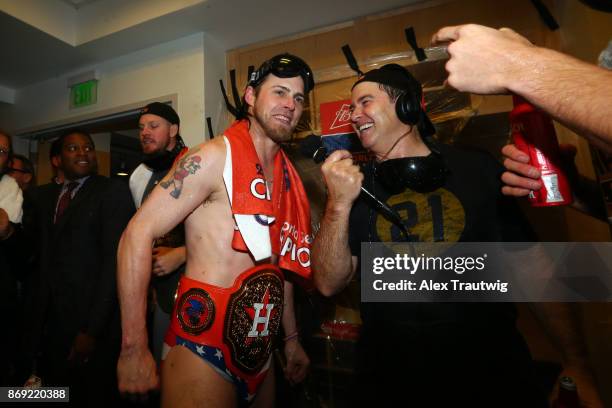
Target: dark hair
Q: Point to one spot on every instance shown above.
(243, 111)
(27, 164)
(26, 167)
(55, 149)
(393, 92)
(63, 136)
(394, 80)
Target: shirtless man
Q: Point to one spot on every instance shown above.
(245, 211)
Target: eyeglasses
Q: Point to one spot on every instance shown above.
(284, 66)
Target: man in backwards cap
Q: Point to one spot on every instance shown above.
(246, 216)
(432, 353)
(161, 145)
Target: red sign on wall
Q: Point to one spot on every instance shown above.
(336, 118)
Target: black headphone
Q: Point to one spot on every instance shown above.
(408, 107)
(421, 174)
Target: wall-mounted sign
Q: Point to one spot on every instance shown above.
(84, 94)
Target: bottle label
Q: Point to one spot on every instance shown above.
(551, 184)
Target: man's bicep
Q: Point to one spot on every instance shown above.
(190, 181)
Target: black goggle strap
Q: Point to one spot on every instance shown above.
(545, 15)
(411, 38)
(211, 135)
(235, 93)
(350, 59)
(229, 106)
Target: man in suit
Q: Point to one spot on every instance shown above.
(76, 302)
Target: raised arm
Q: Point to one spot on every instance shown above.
(332, 263)
(186, 186)
(484, 60)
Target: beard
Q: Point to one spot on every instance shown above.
(278, 133)
(163, 159)
(153, 154)
(156, 149)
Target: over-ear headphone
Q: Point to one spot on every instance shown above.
(408, 107)
(420, 173)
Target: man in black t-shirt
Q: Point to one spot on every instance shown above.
(428, 354)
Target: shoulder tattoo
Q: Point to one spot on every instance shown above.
(187, 165)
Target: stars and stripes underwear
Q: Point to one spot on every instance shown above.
(232, 329)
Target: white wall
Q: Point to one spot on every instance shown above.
(214, 69)
(172, 68)
(55, 18)
(23, 146)
(103, 18)
(7, 95)
(102, 141)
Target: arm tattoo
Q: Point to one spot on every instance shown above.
(186, 166)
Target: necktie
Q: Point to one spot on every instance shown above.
(65, 200)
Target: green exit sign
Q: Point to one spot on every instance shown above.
(84, 94)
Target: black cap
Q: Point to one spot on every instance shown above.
(398, 77)
(161, 110)
(393, 75)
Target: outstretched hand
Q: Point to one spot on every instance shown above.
(483, 60)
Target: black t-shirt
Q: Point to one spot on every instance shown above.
(468, 208)
(444, 354)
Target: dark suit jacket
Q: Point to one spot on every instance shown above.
(76, 288)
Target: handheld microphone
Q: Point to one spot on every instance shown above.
(312, 147)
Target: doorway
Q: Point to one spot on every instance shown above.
(115, 135)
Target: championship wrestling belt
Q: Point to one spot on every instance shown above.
(241, 320)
